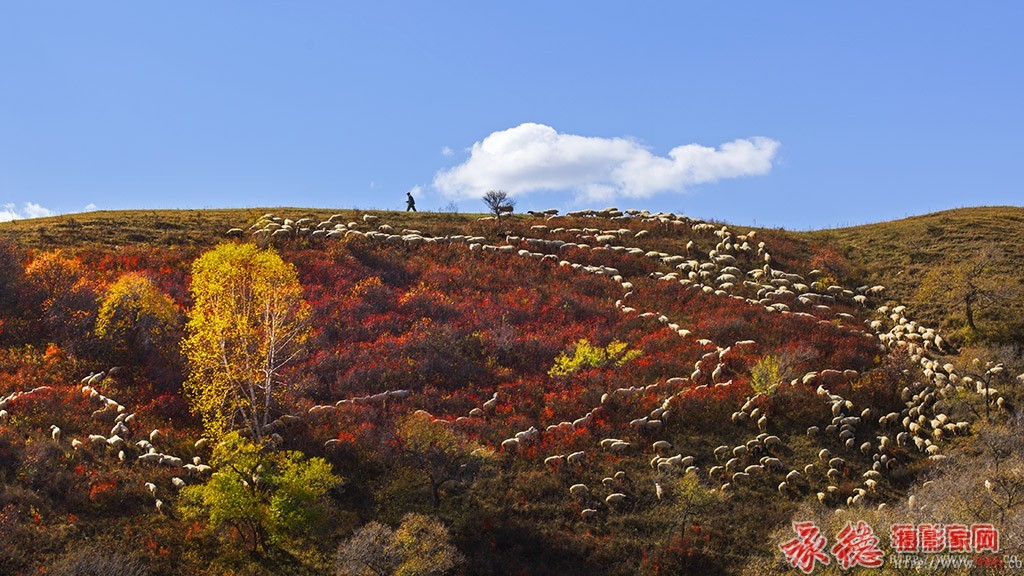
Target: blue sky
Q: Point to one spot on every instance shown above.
(796, 114)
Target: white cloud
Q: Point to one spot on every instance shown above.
(446, 151)
(30, 210)
(33, 210)
(416, 190)
(534, 157)
(90, 207)
(7, 213)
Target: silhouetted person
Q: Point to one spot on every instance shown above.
(410, 202)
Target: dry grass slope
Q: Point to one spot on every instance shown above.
(182, 227)
(900, 253)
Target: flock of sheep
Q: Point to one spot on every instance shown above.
(921, 424)
(120, 442)
(739, 267)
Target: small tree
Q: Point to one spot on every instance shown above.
(420, 546)
(441, 453)
(65, 294)
(370, 551)
(499, 203)
(976, 287)
(766, 375)
(248, 322)
(135, 317)
(264, 496)
(586, 356)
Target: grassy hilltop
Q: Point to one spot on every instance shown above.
(898, 254)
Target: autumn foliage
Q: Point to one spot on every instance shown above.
(404, 369)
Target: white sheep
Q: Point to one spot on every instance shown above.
(615, 498)
(170, 460)
(555, 462)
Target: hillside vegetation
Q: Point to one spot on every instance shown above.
(597, 393)
(903, 253)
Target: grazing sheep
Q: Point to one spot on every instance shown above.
(661, 445)
(579, 490)
(620, 446)
(615, 498)
(55, 433)
(555, 462)
(588, 513)
(177, 483)
(170, 460)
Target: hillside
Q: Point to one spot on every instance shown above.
(898, 254)
(598, 393)
(109, 228)
(901, 253)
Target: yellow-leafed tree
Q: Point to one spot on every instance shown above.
(136, 317)
(248, 321)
